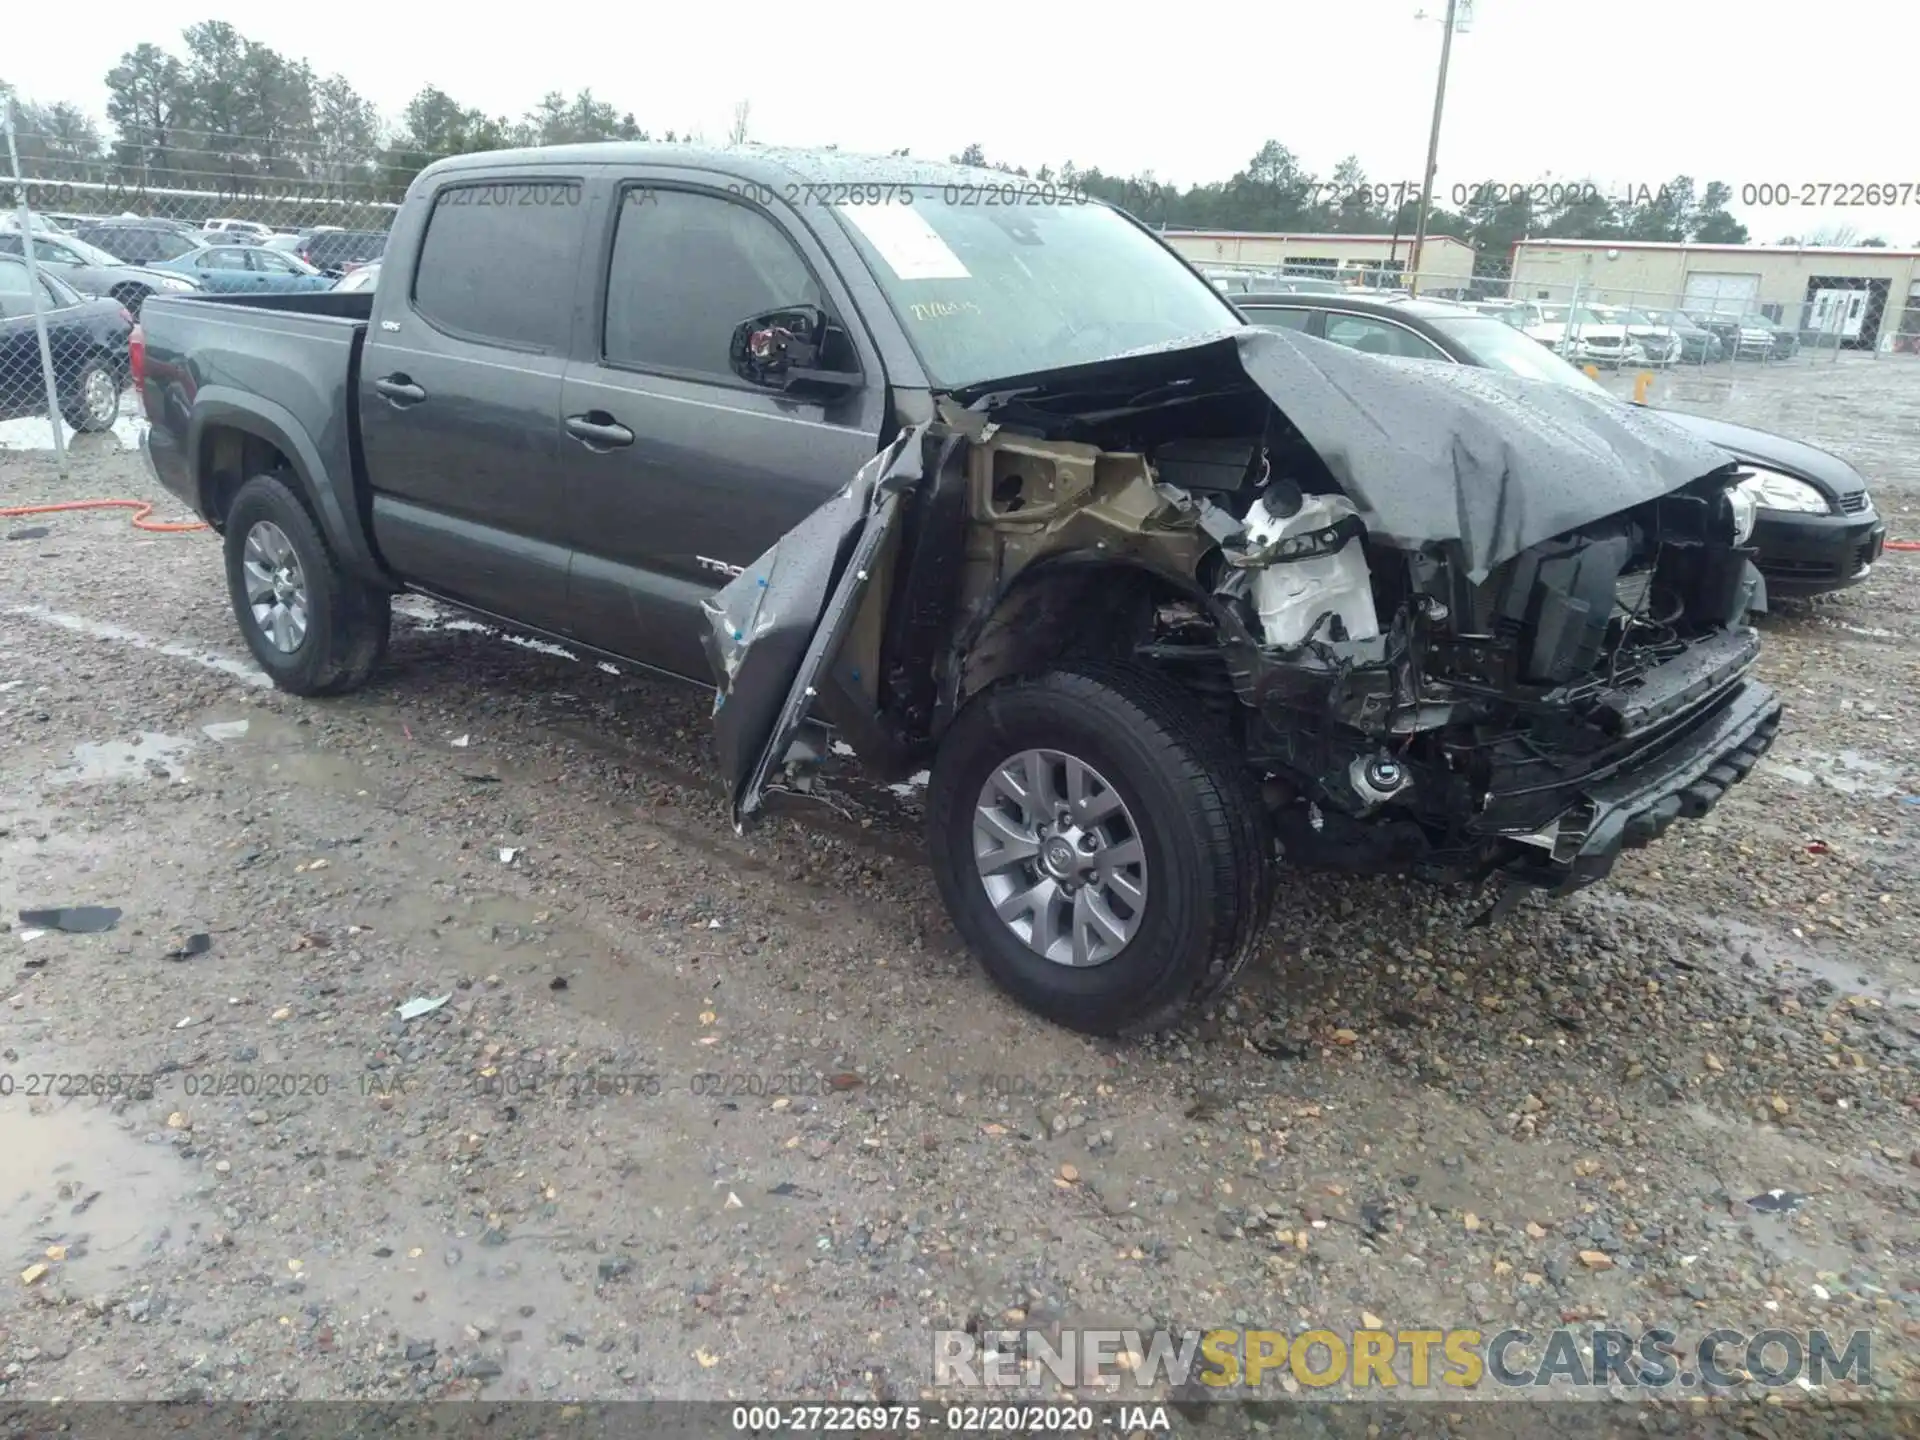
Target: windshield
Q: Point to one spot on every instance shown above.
(89, 254)
(1499, 346)
(989, 291)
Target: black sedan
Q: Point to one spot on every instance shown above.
(1816, 530)
(89, 343)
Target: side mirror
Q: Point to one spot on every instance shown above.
(781, 350)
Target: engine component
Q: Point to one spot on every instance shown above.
(1376, 779)
(1295, 595)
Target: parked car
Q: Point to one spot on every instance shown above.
(1018, 500)
(1742, 337)
(1586, 336)
(88, 340)
(140, 242)
(360, 277)
(236, 232)
(227, 268)
(1817, 529)
(331, 251)
(92, 271)
(1698, 345)
(1660, 344)
(39, 221)
(1784, 339)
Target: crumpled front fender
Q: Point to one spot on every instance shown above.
(773, 628)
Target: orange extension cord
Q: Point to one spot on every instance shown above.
(145, 508)
(142, 509)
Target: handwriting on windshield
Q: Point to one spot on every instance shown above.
(943, 309)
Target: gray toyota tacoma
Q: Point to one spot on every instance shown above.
(992, 483)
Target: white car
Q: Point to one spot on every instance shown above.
(361, 277)
(1586, 337)
(237, 232)
(1659, 344)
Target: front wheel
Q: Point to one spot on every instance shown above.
(1099, 846)
(314, 629)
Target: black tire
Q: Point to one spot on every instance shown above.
(74, 405)
(1210, 879)
(347, 622)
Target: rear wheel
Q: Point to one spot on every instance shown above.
(1099, 846)
(92, 402)
(314, 629)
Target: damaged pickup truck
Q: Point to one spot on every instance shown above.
(1159, 620)
(1162, 602)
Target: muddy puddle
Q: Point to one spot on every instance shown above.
(1770, 952)
(150, 756)
(86, 1193)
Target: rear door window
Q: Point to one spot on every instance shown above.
(1380, 337)
(498, 262)
(1274, 317)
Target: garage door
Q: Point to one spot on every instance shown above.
(1709, 293)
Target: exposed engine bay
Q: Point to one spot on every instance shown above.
(1454, 625)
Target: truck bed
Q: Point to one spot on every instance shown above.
(329, 304)
(287, 363)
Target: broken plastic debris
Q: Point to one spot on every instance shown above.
(460, 741)
(224, 729)
(185, 947)
(420, 1005)
(734, 1202)
(1776, 1202)
(74, 919)
(509, 853)
(26, 935)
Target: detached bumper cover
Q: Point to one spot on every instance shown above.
(1684, 781)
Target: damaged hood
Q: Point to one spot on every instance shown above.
(1492, 462)
(1430, 453)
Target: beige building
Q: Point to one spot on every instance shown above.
(1446, 265)
(1859, 297)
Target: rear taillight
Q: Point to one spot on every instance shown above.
(137, 356)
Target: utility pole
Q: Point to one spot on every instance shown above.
(1433, 143)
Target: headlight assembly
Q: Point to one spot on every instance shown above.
(1770, 490)
(1745, 511)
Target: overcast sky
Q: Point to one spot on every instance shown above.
(1626, 92)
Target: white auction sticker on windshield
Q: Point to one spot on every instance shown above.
(911, 247)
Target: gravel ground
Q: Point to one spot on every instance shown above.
(531, 1191)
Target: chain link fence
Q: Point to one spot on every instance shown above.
(83, 244)
(1799, 321)
(105, 235)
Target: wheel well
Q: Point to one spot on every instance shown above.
(229, 457)
(1063, 609)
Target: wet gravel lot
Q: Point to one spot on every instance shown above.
(736, 1117)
